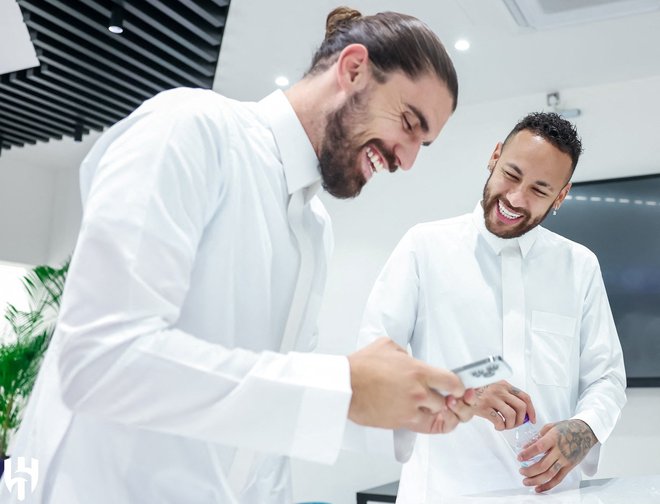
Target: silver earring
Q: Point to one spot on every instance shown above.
(554, 211)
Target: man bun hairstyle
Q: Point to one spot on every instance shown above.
(553, 128)
(394, 41)
(338, 17)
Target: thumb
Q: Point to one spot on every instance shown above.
(445, 382)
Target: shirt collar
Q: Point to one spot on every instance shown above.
(298, 158)
(525, 242)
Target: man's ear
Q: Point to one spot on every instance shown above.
(497, 152)
(561, 196)
(353, 69)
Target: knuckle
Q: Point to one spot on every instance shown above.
(419, 394)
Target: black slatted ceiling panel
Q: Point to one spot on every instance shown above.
(90, 78)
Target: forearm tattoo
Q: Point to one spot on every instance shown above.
(575, 439)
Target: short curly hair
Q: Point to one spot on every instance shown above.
(555, 129)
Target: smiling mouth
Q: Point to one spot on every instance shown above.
(375, 160)
(505, 212)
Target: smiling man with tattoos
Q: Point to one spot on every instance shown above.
(494, 282)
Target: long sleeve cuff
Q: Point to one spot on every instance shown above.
(324, 407)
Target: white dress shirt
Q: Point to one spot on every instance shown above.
(165, 359)
(441, 292)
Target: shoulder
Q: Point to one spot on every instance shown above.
(426, 239)
(203, 108)
(444, 229)
(562, 245)
(188, 99)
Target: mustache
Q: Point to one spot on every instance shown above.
(387, 154)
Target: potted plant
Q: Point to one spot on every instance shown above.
(21, 355)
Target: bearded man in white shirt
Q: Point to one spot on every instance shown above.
(180, 370)
(494, 282)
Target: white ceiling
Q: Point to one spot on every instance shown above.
(16, 50)
(266, 38)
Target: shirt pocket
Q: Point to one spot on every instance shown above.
(552, 344)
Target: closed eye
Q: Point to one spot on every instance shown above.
(510, 175)
(406, 123)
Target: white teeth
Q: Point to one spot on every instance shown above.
(376, 163)
(507, 213)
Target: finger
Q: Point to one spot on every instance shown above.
(531, 411)
(444, 381)
(463, 411)
(470, 397)
(449, 421)
(546, 428)
(528, 405)
(514, 412)
(496, 418)
(519, 407)
(544, 476)
(543, 445)
(553, 482)
(507, 413)
(440, 423)
(433, 403)
(541, 466)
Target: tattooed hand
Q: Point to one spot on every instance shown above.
(503, 405)
(566, 444)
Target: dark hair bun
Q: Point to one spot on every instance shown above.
(338, 17)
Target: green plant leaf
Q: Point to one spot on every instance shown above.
(21, 357)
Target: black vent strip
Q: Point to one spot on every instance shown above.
(80, 21)
(90, 78)
(194, 58)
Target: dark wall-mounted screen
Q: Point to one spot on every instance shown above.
(619, 220)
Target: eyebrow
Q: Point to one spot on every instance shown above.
(423, 123)
(519, 172)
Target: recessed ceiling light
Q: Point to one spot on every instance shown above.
(282, 81)
(462, 45)
(116, 24)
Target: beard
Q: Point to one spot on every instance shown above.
(526, 224)
(339, 159)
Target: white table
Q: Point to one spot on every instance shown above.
(624, 490)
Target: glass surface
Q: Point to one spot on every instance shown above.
(619, 220)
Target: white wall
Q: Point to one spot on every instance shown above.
(65, 216)
(11, 291)
(25, 201)
(619, 128)
(39, 200)
(40, 212)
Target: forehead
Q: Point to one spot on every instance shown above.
(426, 93)
(537, 158)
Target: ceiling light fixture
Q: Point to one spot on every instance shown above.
(553, 101)
(116, 19)
(462, 45)
(282, 81)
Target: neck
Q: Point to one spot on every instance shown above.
(312, 99)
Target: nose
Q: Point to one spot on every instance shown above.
(406, 154)
(516, 197)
